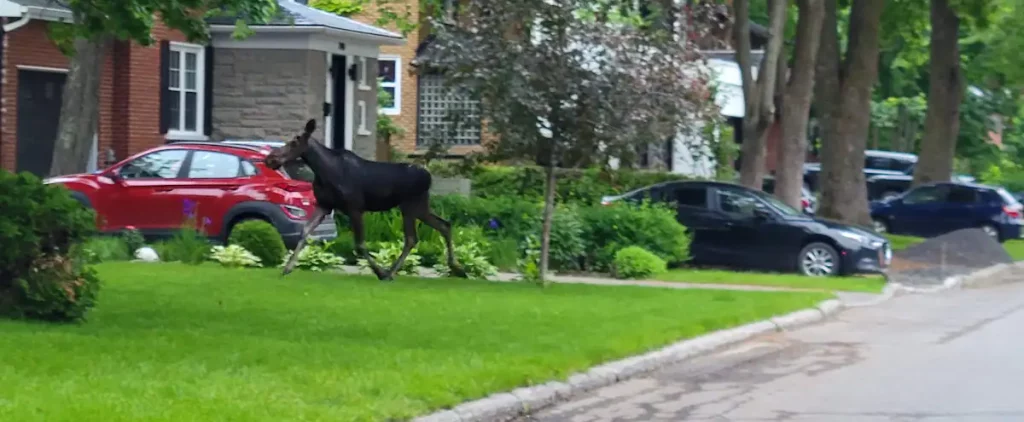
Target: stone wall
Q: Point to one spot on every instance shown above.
(267, 94)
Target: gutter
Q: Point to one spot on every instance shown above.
(319, 29)
(41, 13)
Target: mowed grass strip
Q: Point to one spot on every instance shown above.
(171, 342)
(859, 283)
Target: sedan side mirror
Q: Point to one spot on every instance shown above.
(761, 214)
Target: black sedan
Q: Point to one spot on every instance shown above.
(735, 226)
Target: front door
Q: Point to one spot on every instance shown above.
(145, 196)
(39, 100)
(339, 71)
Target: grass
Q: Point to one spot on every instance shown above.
(871, 284)
(1015, 248)
(172, 342)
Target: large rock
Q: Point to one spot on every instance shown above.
(952, 254)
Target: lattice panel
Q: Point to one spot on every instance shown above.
(446, 116)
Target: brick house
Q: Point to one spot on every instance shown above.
(303, 64)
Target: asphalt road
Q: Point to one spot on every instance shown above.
(953, 356)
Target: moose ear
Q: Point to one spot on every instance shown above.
(310, 125)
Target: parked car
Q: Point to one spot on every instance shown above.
(228, 183)
(937, 208)
(736, 226)
(889, 185)
(876, 163)
(808, 202)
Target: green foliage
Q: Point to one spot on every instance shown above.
(41, 266)
(529, 264)
(471, 258)
(234, 256)
(499, 216)
(188, 246)
(261, 239)
(585, 186)
(105, 248)
(637, 262)
(650, 226)
(315, 257)
(504, 253)
(387, 254)
(133, 240)
(344, 246)
(340, 7)
(567, 247)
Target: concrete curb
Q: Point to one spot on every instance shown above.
(986, 277)
(509, 405)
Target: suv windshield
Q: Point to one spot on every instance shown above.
(298, 170)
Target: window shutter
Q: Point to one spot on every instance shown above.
(208, 93)
(165, 75)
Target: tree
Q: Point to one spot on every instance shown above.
(843, 84)
(96, 24)
(796, 103)
(570, 78)
(759, 95)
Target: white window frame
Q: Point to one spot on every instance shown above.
(362, 130)
(181, 48)
(396, 109)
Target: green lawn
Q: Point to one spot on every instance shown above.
(170, 342)
(872, 284)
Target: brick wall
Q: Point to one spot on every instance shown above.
(267, 94)
(129, 92)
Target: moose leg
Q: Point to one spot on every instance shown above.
(356, 220)
(314, 220)
(445, 228)
(409, 227)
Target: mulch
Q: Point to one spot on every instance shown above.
(952, 254)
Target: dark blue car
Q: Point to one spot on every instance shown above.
(938, 208)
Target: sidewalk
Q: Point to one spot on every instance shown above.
(852, 299)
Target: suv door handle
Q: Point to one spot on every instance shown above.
(229, 187)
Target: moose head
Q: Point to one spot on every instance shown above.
(291, 150)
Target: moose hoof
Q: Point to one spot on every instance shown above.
(457, 271)
(385, 277)
(286, 271)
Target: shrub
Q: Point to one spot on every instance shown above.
(344, 246)
(583, 186)
(472, 260)
(261, 239)
(529, 264)
(234, 256)
(566, 247)
(504, 253)
(188, 246)
(314, 257)
(652, 227)
(386, 255)
(105, 248)
(498, 216)
(637, 262)
(133, 240)
(42, 271)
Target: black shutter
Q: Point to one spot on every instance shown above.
(165, 76)
(208, 93)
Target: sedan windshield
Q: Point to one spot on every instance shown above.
(779, 205)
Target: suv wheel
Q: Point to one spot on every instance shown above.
(818, 259)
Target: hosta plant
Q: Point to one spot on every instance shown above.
(315, 257)
(472, 260)
(388, 253)
(234, 256)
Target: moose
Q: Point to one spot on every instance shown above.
(347, 183)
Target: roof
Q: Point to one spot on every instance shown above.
(289, 13)
(295, 14)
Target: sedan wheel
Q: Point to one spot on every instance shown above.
(819, 260)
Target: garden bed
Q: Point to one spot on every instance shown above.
(179, 342)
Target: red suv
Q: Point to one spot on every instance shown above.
(222, 184)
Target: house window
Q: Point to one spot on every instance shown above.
(186, 85)
(446, 116)
(390, 74)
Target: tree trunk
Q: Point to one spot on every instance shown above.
(844, 94)
(796, 104)
(549, 211)
(79, 110)
(759, 98)
(945, 93)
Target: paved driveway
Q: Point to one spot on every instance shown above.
(954, 356)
